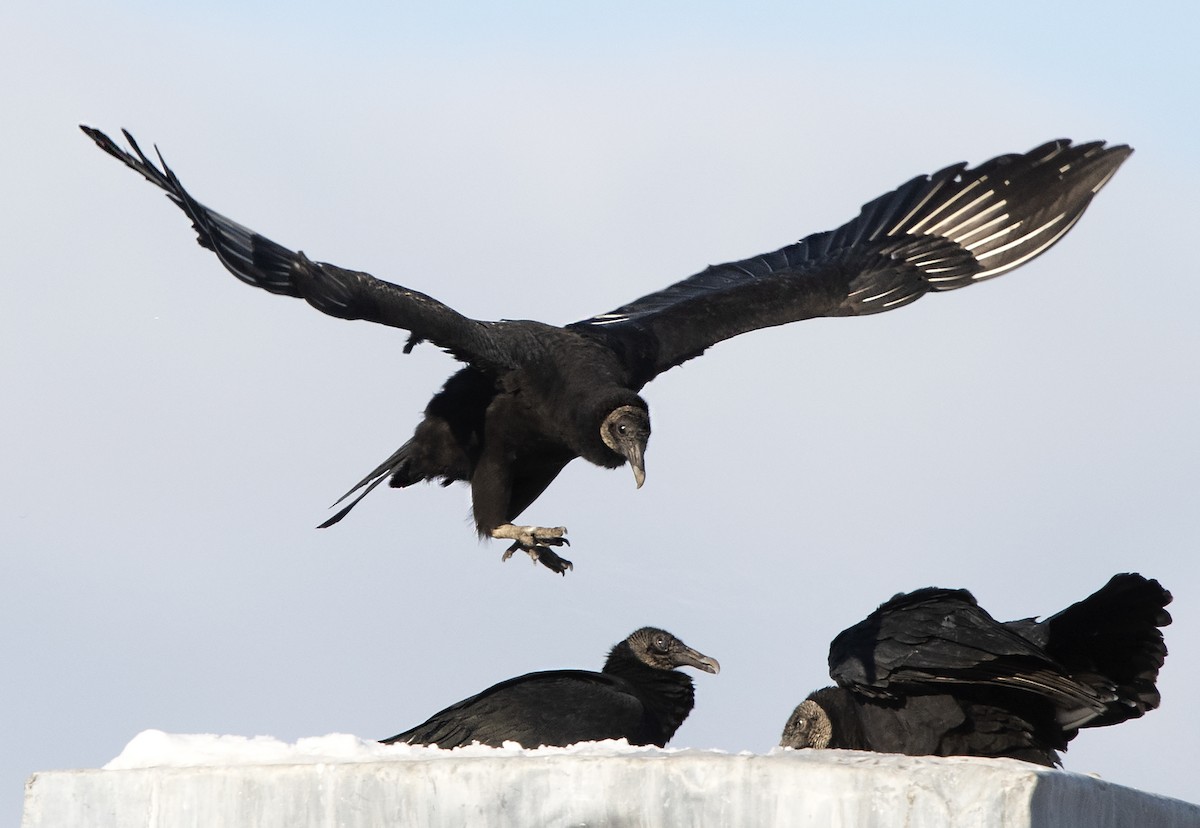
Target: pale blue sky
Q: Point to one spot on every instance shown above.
(172, 436)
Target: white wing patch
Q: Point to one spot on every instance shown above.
(608, 318)
(1037, 230)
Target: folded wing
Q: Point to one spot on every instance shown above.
(931, 639)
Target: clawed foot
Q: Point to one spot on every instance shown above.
(535, 541)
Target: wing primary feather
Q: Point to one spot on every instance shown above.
(938, 232)
(346, 294)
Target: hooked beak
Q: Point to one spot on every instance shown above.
(634, 454)
(697, 659)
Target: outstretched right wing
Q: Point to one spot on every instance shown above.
(937, 232)
(346, 294)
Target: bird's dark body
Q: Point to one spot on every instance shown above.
(942, 724)
(930, 672)
(509, 433)
(628, 700)
(535, 396)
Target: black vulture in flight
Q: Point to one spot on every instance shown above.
(638, 696)
(533, 396)
(930, 672)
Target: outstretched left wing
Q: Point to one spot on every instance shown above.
(346, 294)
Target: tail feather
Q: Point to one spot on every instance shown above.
(393, 466)
(1113, 636)
(434, 453)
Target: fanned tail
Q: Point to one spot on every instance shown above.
(1115, 635)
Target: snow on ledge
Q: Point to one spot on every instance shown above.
(164, 780)
(155, 749)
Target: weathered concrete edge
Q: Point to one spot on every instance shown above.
(801, 788)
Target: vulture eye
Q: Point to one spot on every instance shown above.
(660, 644)
(621, 429)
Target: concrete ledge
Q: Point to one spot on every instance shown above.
(602, 784)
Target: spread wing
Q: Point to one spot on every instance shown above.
(934, 638)
(346, 294)
(937, 232)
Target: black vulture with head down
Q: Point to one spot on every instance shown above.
(931, 673)
(533, 397)
(639, 696)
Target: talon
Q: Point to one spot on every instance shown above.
(535, 541)
(508, 553)
(553, 562)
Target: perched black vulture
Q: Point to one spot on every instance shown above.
(638, 696)
(931, 672)
(533, 397)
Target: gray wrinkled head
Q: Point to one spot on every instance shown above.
(626, 430)
(808, 727)
(663, 651)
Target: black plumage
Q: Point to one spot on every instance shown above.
(930, 672)
(533, 397)
(638, 696)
